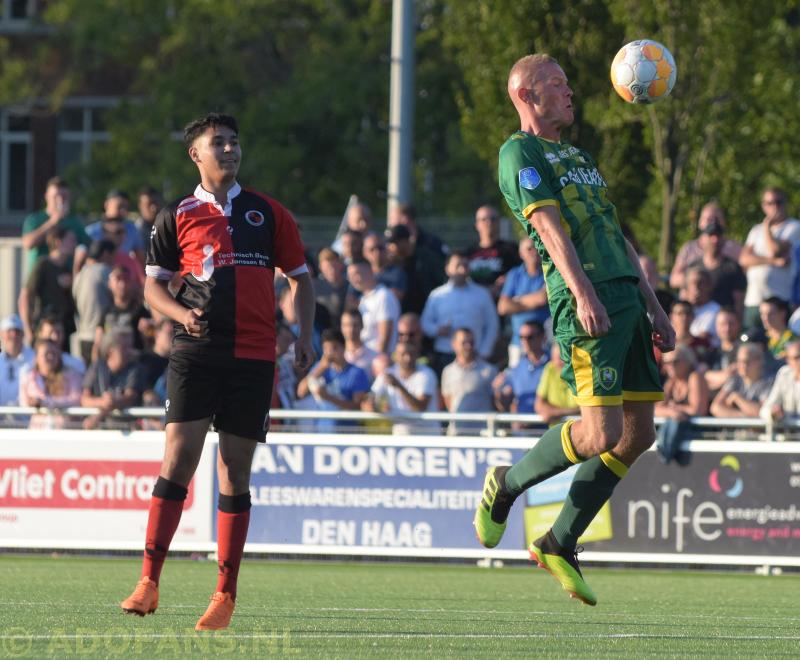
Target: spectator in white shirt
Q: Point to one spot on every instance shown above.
(378, 306)
(406, 387)
(14, 357)
(698, 292)
(355, 351)
(467, 383)
(783, 401)
(459, 304)
(767, 255)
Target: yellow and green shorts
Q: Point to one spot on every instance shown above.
(619, 366)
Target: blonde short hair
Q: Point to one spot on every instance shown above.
(526, 67)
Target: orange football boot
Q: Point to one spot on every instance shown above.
(219, 613)
(143, 600)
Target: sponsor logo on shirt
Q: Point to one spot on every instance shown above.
(254, 218)
(551, 157)
(529, 178)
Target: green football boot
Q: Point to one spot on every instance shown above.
(562, 564)
(491, 516)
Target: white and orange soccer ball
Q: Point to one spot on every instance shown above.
(643, 71)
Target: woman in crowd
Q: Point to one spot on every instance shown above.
(49, 384)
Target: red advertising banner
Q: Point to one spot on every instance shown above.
(83, 484)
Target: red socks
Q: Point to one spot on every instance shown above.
(233, 519)
(166, 507)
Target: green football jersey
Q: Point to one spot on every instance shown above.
(535, 172)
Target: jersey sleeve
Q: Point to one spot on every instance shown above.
(289, 254)
(526, 179)
(163, 254)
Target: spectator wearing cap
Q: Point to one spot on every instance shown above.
(783, 400)
(423, 266)
(523, 296)
(745, 391)
(56, 213)
(767, 255)
(149, 203)
(48, 289)
(774, 313)
(728, 281)
(491, 257)
(389, 274)
(378, 306)
(14, 357)
(459, 304)
(698, 293)
(691, 251)
(92, 296)
(113, 381)
(467, 383)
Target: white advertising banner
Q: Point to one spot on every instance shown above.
(91, 489)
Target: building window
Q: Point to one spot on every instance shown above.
(81, 123)
(16, 162)
(18, 12)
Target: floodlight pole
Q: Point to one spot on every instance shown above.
(401, 104)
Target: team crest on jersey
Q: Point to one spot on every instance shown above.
(608, 377)
(254, 218)
(529, 178)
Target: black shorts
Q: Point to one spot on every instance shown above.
(235, 393)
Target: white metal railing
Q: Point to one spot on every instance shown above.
(494, 423)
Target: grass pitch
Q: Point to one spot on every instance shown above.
(68, 607)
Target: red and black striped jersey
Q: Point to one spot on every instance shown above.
(227, 258)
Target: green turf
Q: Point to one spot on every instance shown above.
(68, 607)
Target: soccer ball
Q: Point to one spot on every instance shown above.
(643, 71)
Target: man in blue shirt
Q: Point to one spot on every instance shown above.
(334, 383)
(523, 297)
(515, 387)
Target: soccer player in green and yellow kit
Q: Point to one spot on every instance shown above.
(605, 318)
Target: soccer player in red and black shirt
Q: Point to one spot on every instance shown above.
(226, 242)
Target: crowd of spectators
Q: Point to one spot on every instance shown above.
(403, 323)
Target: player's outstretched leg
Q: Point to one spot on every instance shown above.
(591, 488)
(553, 453)
(166, 506)
(233, 520)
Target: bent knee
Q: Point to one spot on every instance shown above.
(595, 440)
